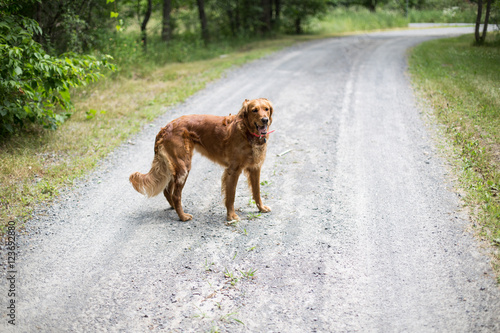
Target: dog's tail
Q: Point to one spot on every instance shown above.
(155, 181)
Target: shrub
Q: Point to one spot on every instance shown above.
(35, 86)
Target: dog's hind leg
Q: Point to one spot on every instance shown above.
(167, 192)
(179, 181)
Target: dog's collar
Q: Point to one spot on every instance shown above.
(261, 135)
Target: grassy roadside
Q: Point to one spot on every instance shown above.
(462, 84)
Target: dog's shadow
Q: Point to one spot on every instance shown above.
(167, 216)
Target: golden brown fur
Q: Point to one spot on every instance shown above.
(237, 142)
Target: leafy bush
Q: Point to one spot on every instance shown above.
(35, 86)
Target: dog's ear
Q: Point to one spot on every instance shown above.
(244, 109)
(271, 108)
(245, 104)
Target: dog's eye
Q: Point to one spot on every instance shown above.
(267, 109)
(255, 110)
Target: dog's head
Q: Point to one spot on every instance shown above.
(257, 115)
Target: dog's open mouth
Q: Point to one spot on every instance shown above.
(261, 130)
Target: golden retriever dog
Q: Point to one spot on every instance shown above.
(237, 142)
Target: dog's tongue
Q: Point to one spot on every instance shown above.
(262, 130)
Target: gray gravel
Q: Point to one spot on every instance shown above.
(366, 233)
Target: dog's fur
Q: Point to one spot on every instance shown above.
(237, 142)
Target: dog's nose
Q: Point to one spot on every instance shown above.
(265, 121)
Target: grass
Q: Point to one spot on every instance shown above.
(253, 216)
(233, 280)
(462, 83)
(340, 20)
(249, 274)
(447, 15)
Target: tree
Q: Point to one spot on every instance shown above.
(370, 4)
(147, 16)
(277, 12)
(166, 31)
(203, 21)
(266, 16)
(244, 17)
(298, 10)
(480, 38)
(233, 15)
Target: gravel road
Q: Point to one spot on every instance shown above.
(366, 232)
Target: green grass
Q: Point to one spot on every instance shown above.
(448, 15)
(342, 20)
(462, 83)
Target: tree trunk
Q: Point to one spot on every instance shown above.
(144, 35)
(371, 5)
(481, 38)
(237, 20)
(478, 20)
(486, 19)
(245, 10)
(230, 16)
(298, 26)
(266, 16)
(234, 20)
(166, 31)
(203, 21)
(232, 10)
(277, 12)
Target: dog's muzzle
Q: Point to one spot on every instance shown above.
(262, 130)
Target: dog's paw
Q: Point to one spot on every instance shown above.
(264, 209)
(185, 217)
(233, 217)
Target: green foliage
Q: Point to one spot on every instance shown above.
(368, 4)
(67, 25)
(340, 19)
(446, 15)
(35, 86)
(296, 11)
(249, 274)
(233, 280)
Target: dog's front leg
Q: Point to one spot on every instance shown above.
(254, 180)
(229, 182)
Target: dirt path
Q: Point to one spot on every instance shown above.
(365, 233)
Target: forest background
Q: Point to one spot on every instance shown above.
(49, 47)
